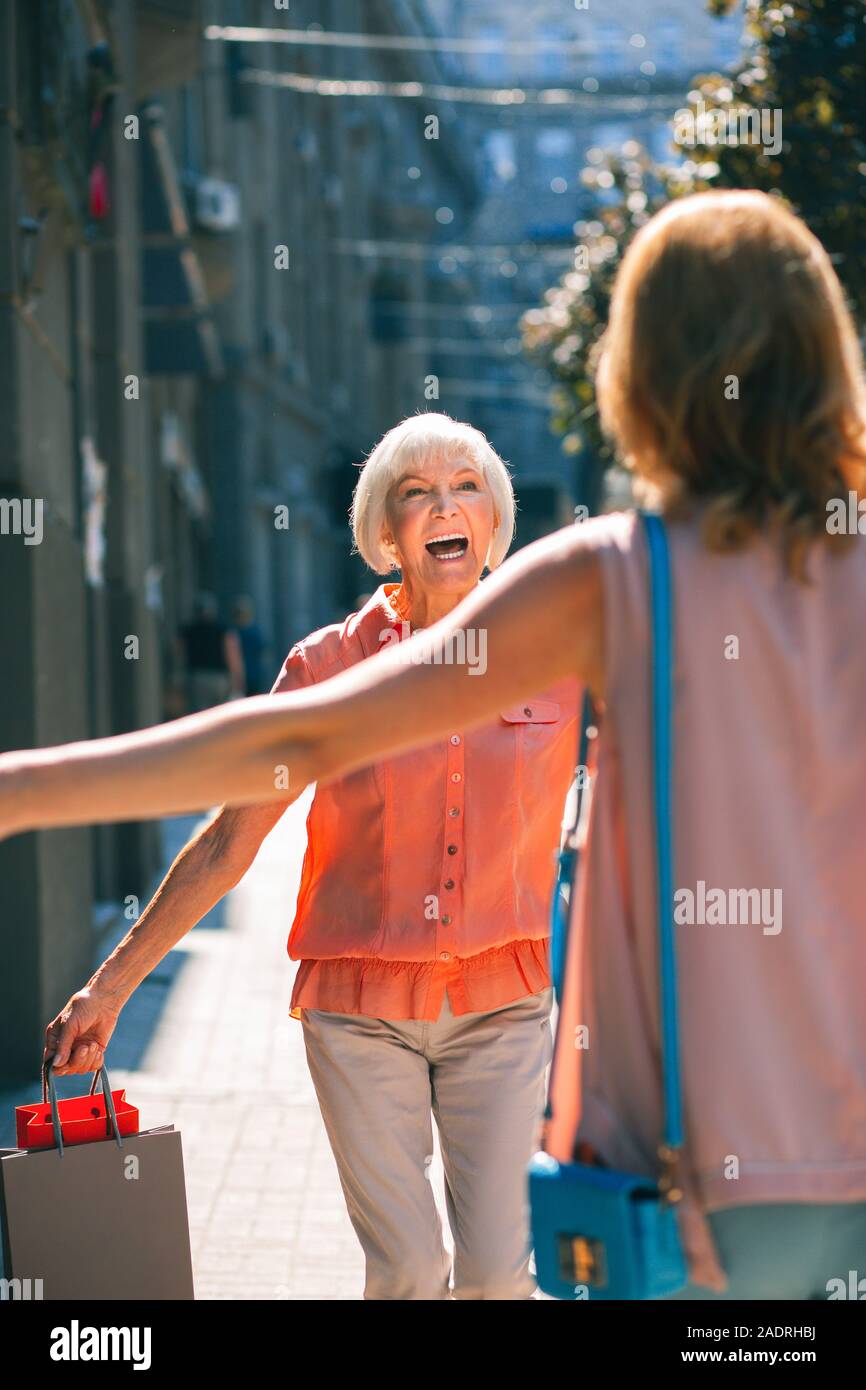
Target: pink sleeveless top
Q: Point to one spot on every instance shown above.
(770, 844)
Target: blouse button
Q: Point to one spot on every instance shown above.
(444, 955)
(452, 849)
(455, 738)
(527, 711)
(454, 811)
(455, 777)
(446, 920)
(449, 883)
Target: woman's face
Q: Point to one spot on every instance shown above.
(440, 519)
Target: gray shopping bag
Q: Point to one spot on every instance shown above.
(100, 1220)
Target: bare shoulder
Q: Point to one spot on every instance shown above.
(581, 545)
(586, 547)
(554, 588)
(576, 594)
(597, 534)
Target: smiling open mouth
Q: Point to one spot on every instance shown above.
(450, 547)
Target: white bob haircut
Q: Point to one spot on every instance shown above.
(418, 439)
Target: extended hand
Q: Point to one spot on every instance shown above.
(77, 1038)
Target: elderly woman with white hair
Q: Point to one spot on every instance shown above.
(422, 917)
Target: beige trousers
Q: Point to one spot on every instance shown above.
(481, 1075)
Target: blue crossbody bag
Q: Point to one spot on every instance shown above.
(598, 1233)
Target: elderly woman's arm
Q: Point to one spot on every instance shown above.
(540, 617)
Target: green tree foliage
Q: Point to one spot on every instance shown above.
(807, 60)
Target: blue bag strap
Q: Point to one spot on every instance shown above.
(661, 622)
(566, 861)
(661, 606)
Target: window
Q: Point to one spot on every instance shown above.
(555, 144)
(611, 49)
(612, 135)
(551, 63)
(491, 66)
(669, 46)
(500, 164)
(727, 34)
(661, 145)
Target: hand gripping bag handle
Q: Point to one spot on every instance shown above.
(49, 1092)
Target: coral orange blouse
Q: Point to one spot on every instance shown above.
(432, 870)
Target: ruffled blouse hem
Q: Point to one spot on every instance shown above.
(416, 989)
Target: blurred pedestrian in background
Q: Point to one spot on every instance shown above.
(253, 643)
(211, 657)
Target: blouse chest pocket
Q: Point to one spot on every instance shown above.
(533, 712)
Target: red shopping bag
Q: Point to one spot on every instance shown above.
(71, 1218)
(82, 1119)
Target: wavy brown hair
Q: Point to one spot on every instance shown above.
(730, 373)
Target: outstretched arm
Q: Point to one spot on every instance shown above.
(540, 615)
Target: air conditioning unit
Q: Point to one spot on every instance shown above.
(217, 205)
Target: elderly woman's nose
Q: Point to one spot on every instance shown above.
(444, 500)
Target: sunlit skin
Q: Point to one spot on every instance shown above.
(440, 497)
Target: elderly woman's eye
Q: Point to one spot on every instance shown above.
(470, 482)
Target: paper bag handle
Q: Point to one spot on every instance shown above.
(49, 1092)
